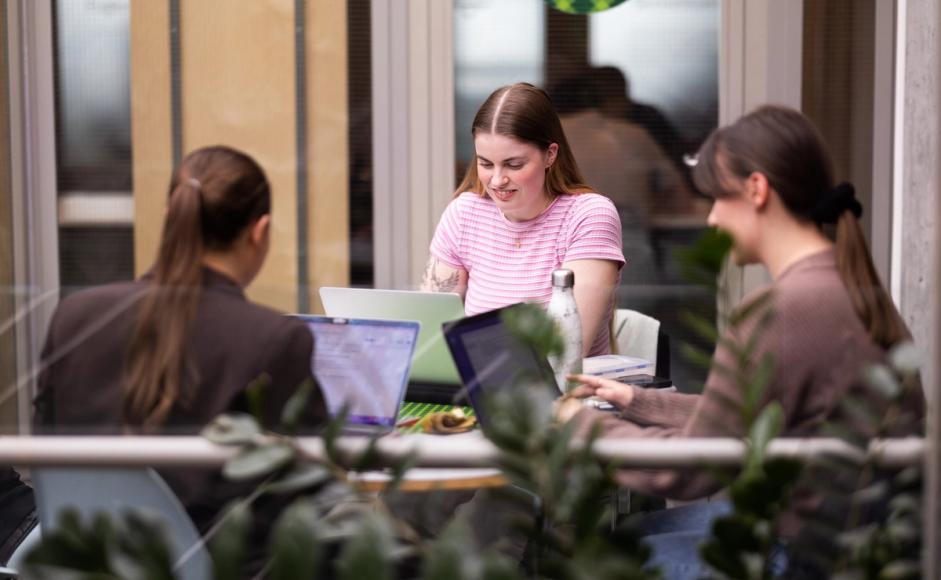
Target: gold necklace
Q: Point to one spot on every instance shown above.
(519, 236)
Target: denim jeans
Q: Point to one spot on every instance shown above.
(674, 536)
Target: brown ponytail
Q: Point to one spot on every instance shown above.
(214, 195)
(787, 149)
(870, 300)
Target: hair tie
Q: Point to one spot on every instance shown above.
(194, 183)
(834, 202)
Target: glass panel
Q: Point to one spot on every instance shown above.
(838, 87)
(360, 104)
(668, 49)
(93, 138)
(629, 137)
(496, 42)
(659, 71)
(93, 101)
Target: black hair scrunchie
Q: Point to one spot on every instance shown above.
(834, 202)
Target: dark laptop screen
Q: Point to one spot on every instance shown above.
(490, 358)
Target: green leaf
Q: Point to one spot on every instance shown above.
(757, 306)
(702, 261)
(228, 545)
(258, 461)
(881, 380)
(783, 470)
(496, 566)
(905, 504)
(901, 570)
(857, 538)
(859, 409)
(901, 531)
(531, 325)
(451, 555)
(872, 493)
(397, 472)
(759, 381)
(703, 327)
(295, 406)
(255, 394)
(723, 558)
(232, 429)
(368, 553)
(296, 550)
(696, 355)
(766, 428)
(303, 476)
(905, 358)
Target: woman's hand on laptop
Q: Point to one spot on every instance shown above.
(618, 394)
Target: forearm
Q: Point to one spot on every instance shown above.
(595, 281)
(660, 407)
(688, 483)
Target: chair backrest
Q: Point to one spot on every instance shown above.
(637, 334)
(16, 559)
(115, 491)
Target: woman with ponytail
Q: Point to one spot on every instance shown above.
(170, 351)
(772, 181)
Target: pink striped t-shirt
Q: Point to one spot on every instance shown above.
(509, 262)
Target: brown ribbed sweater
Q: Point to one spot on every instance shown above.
(819, 348)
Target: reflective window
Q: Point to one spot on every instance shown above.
(361, 178)
(636, 87)
(93, 141)
(496, 42)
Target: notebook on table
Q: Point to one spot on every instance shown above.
(363, 364)
(434, 377)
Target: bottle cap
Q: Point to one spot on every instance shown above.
(563, 278)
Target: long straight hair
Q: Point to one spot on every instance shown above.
(525, 113)
(784, 146)
(215, 194)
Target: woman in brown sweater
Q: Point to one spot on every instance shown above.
(771, 177)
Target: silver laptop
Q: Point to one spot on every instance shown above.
(432, 363)
(363, 365)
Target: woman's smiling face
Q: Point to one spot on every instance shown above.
(513, 174)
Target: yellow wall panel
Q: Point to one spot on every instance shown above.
(238, 87)
(328, 146)
(151, 136)
(8, 400)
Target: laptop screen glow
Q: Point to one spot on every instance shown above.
(363, 364)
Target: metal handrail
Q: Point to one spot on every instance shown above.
(432, 451)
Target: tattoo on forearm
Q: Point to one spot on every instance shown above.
(435, 283)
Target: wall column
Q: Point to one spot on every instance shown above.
(760, 62)
(281, 98)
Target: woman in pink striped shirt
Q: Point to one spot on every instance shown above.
(522, 211)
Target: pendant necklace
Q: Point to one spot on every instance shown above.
(519, 236)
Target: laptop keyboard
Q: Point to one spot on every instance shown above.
(414, 410)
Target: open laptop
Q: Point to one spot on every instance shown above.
(432, 366)
(363, 364)
(490, 358)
